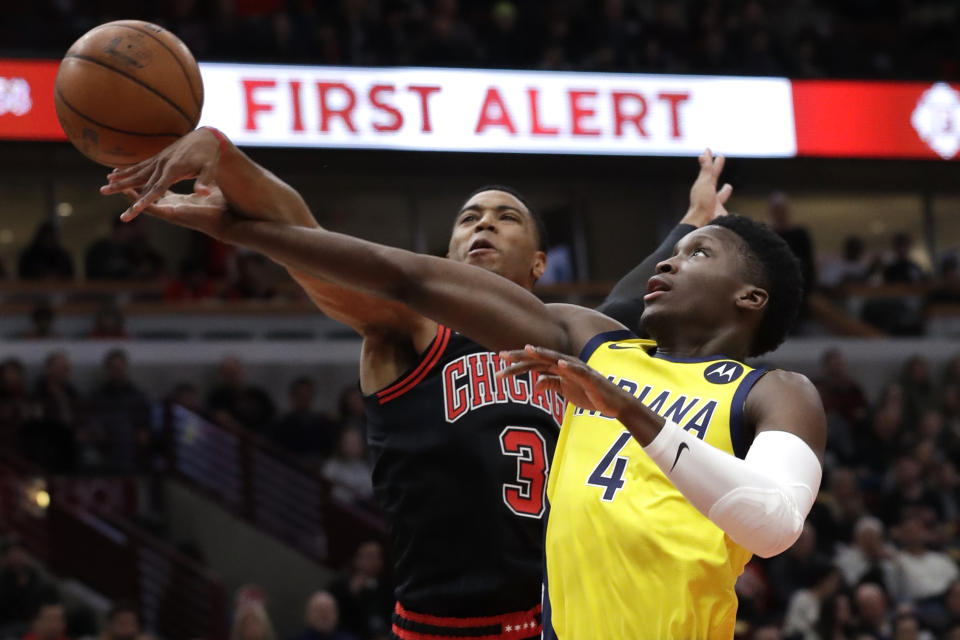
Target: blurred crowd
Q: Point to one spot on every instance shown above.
(798, 38)
(877, 558)
(117, 427)
(356, 605)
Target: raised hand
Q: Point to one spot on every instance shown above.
(195, 155)
(706, 202)
(580, 384)
(205, 211)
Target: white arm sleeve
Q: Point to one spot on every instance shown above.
(761, 502)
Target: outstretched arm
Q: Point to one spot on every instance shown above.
(220, 167)
(482, 305)
(760, 501)
(625, 302)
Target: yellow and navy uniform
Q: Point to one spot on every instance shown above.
(627, 556)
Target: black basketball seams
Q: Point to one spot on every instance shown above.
(190, 121)
(59, 94)
(193, 90)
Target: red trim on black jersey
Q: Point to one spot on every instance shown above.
(414, 377)
(508, 626)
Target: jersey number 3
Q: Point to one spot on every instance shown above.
(527, 497)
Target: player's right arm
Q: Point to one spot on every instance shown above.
(257, 193)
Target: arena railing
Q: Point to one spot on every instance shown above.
(267, 487)
(178, 597)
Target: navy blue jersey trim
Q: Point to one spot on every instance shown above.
(662, 356)
(736, 411)
(606, 336)
(546, 620)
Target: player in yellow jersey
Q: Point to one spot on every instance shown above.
(668, 475)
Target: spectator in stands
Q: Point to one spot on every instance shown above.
(48, 621)
(951, 373)
(870, 557)
(873, 611)
(350, 413)
(119, 424)
(15, 406)
(852, 267)
(921, 573)
(797, 567)
(767, 631)
(185, 395)
(907, 627)
(304, 430)
(232, 402)
(349, 469)
(902, 268)
(49, 437)
(796, 237)
(21, 588)
(844, 402)
(41, 323)
(919, 391)
(45, 258)
(108, 324)
(878, 446)
(845, 503)
(123, 622)
(365, 597)
(906, 493)
(123, 255)
(253, 281)
(948, 614)
(803, 610)
(323, 620)
(193, 283)
(836, 618)
(947, 285)
(251, 622)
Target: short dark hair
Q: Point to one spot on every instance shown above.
(123, 606)
(542, 239)
(772, 265)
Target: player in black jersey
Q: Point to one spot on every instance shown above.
(461, 457)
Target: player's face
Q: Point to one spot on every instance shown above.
(699, 284)
(495, 231)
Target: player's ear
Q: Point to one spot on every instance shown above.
(539, 264)
(751, 298)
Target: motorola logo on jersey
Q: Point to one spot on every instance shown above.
(723, 372)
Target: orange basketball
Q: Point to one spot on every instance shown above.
(125, 90)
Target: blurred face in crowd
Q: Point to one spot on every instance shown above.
(117, 366)
(58, 368)
(906, 628)
(843, 614)
(872, 604)
(231, 372)
(125, 625)
(931, 424)
(369, 559)
(495, 231)
(913, 535)
(886, 424)
(322, 613)
(301, 395)
(843, 484)
(351, 445)
(869, 537)
(834, 364)
(953, 599)
(50, 623)
(918, 371)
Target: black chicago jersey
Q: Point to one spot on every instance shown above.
(461, 462)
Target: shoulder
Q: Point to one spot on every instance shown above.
(787, 401)
(582, 324)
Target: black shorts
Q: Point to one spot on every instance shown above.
(520, 625)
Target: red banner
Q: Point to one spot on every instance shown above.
(857, 119)
(26, 100)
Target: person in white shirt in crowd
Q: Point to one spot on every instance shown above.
(349, 470)
(920, 572)
(869, 553)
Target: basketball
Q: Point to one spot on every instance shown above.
(125, 90)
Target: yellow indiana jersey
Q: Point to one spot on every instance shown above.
(627, 557)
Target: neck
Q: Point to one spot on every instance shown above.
(689, 342)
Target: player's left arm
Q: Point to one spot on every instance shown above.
(760, 501)
(625, 301)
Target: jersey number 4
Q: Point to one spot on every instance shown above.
(613, 482)
(527, 497)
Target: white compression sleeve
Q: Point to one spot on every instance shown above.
(761, 501)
